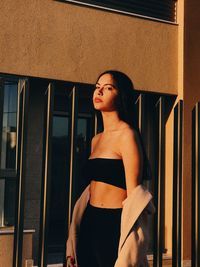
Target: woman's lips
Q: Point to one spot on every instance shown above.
(97, 100)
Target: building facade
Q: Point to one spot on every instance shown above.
(51, 53)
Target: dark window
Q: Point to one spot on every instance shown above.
(8, 142)
(159, 9)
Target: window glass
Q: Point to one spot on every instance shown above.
(9, 201)
(8, 137)
(9, 124)
(60, 167)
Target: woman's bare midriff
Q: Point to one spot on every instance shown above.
(106, 196)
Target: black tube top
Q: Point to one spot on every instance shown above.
(106, 170)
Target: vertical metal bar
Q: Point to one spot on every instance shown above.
(73, 134)
(23, 97)
(1, 113)
(95, 124)
(177, 186)
(46, 181)
(18, 122)
(141, 111)
(196, 185)
(159, 187)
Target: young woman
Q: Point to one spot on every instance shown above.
(111, 206)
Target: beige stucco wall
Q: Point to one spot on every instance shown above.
(6, 248)
(68, 42)
(191, 96)
(169, 128)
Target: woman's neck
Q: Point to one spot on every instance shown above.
(111, 121)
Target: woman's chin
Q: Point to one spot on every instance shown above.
(97, 107)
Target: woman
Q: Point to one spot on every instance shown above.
(116, 168)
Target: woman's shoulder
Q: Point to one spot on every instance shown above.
(95, 139)
(129, 139)
(128, 133)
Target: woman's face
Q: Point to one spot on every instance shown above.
(105, 93)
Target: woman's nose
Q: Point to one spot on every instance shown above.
(100, 91)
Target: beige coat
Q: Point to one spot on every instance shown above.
(134, 236)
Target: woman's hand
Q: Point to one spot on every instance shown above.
(71, 262)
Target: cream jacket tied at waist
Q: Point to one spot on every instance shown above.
(134, 236)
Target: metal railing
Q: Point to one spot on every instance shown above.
(159, 186)
(177, 186)
(196, 185)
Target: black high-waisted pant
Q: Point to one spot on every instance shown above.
(99, 237)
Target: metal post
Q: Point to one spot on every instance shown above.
(73, 134)
(159, 186)
(46, 182)
(140, 102)
(196, 185)
(95, 125)
(23, 96)
(1, 113)
(177, 186)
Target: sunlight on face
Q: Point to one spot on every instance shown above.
(105, 93)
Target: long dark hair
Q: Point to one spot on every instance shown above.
(125, 106)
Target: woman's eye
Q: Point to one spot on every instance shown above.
(109, 88)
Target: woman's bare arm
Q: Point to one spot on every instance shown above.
(132, 156)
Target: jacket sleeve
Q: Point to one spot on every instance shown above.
(134, 250)
(74, 227)
(72, 233)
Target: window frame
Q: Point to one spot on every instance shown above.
(117, 10)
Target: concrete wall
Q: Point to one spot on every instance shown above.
(191, 96)
(68, 42)
(6, 247)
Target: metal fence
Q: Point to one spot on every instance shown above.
(159, 106)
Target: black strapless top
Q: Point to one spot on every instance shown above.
(106, 170)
